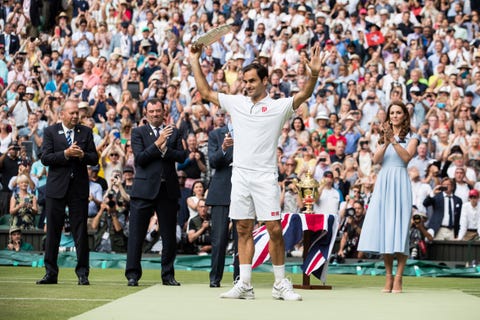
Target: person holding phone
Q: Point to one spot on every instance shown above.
(23, 205)
(113, 156)
(444, 223)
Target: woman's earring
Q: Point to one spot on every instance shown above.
(390, 122)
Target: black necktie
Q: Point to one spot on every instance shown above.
(450, 212)
(157, 131)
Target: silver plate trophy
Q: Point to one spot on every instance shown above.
(213, 35)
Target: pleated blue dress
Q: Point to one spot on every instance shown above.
(387, 221)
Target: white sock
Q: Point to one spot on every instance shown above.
(246, 273)
(279, 273)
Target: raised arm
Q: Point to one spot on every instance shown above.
(202, 85)
(314, 64)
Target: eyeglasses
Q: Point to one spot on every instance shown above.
(473, 197)
(220, 114)
(114, 154)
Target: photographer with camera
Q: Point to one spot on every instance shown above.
(419, 235)
(352, 229)
(445, 220)
(199, 229)
(109, 224)
(22, 105)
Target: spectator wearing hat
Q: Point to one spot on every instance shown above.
(470, 218)
(16, 243)
(78, 91)
(146, 41)
(128, 175)
(123, 41)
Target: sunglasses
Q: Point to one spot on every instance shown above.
(473, 197)
(114, 154)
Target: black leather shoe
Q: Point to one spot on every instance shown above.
(83, 281)
(132, 282)
(214, 284)
(47, 279)
(170, 282)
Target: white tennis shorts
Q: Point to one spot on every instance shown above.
(255, 194)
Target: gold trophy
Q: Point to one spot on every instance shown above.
(308, 191)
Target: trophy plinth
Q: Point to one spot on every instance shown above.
(308, 190)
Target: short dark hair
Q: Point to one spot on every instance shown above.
(154, 101)
(262, 71)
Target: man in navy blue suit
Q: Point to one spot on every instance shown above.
(220, 156)
(444, 223)
(156, 148)
(67, 150)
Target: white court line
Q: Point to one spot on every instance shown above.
(56, 299)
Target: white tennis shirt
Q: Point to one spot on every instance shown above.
(256, 128)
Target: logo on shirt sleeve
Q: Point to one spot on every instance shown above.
(264, 109)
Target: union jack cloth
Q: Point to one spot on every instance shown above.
(324, 229)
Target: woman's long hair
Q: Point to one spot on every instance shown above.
(404, 130)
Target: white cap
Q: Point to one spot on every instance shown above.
(78, 78)
(30, 90)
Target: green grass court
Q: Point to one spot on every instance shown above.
(21, 298)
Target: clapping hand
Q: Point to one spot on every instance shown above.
(388, 132)
(74, 151)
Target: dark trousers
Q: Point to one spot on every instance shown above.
(141, 211)
(55, 213)
(219, 237)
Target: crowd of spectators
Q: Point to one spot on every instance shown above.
(113, 55)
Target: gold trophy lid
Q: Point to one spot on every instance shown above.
(308, 182)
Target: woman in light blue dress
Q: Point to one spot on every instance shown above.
(385, 229)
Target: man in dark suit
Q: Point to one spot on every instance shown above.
(10, 40)
(220, 156)
(156, 148)
(445, 220)
(67, 150)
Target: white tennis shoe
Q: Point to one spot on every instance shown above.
(240, 290)
(283, 290)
